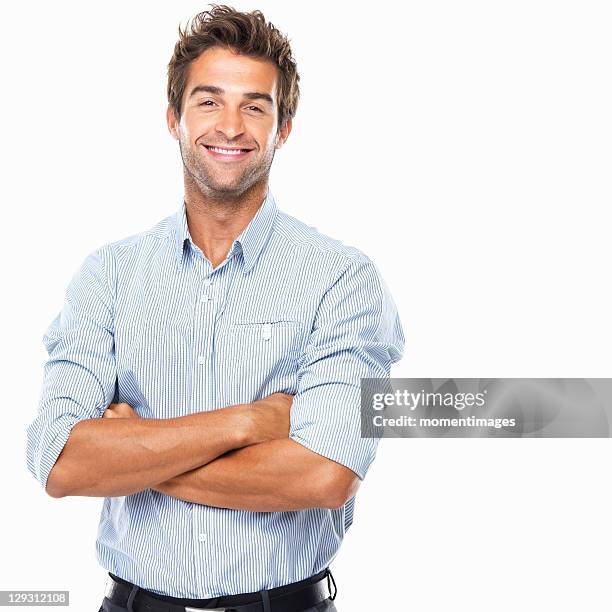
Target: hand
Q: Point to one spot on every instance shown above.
(270, 416)
(120, 411)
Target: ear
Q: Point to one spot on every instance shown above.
(283, 134)
(172, 123)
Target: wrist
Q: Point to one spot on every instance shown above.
(243, 428)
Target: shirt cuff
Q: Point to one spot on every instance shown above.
(46, 440)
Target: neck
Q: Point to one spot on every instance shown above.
(215, 220)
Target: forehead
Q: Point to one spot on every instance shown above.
(232, 72)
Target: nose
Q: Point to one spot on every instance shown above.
(230, 123)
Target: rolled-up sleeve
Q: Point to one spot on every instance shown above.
(357, 334)
(80, 374)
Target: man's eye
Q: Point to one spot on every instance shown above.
(255, 108)
(206, 103)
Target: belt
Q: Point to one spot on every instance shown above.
(288, 598)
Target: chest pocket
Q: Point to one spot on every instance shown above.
(256, 359)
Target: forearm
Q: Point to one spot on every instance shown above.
(274, 476)
(114, 457)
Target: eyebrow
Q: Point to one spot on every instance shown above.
(217, 91)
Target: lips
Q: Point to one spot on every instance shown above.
(227, 153)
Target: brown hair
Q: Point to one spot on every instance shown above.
(246, 33)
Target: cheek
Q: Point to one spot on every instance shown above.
(193, 129)
(268, 141)
(262, 131)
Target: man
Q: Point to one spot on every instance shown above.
(204, 375)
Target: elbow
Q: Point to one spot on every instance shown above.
(56, 494)
(339, 485)
(55, 486)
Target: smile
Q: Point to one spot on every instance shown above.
(227, 154)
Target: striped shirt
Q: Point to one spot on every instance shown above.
(148, 321)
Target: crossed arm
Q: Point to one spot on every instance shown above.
(267, 476)
(274, 476)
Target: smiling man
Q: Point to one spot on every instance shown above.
(204, 375)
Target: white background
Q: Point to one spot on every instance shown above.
(466, 148)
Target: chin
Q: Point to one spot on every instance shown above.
(225, 188)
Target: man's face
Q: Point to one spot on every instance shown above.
(228, 130)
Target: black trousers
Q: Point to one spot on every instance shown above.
(324, 606)
(134, 605)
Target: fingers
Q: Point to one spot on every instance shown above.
(119, 411)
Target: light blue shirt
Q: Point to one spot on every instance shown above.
(149, 322)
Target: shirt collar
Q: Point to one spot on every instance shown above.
(251, 240)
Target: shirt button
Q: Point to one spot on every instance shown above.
(205, 298)
(201, 360)
(202, 537)
(207, 282)
(266, 331)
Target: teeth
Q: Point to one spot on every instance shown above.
(225, 151)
